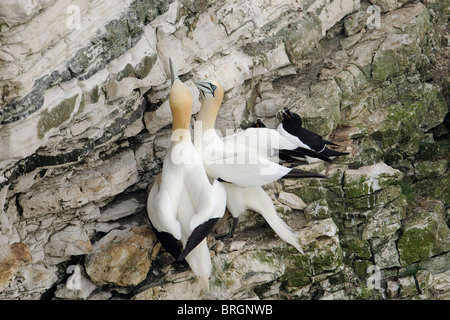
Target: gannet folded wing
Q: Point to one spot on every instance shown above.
(246, 170)
(164, 222)
(162, 209)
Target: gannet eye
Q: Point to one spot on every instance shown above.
(206, 87)
(213, 89)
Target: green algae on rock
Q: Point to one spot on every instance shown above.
(56, 116)
(425, 234)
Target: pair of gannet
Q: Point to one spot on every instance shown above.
(243, 161)
(182, 204)
(199, 180)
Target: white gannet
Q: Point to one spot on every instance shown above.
(182, 203)
(241, 199)
(243, 162)
(243, 158)
(291, 129)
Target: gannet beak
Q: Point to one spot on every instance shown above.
(206, 87)
(173, 75)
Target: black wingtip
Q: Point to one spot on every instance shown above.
(329, 143)
(302, 152)
(171, 245)
(298, 173)
(333, 153)
(197, 236)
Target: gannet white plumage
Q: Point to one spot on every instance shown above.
(241, 199)
(182, 203)
(293, 154)
(243, 161)
(316, 147)
(243, 158)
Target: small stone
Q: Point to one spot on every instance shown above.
(291, 200)
(218, 246)
(318, 229)
(33, 280)
(317, 210)
(436, 264)
(387, 5)
(121, 250)
(355, 22)
(390, 59)
(441, 285)
(77, 285)
(430, 169)
(385, 252)
(101, 295)
(323, 253)
(268, 107)
(184, 288)
(121, 209)
(407, 287)
(11, 258)
(348, 42)
(237, 245)
(392, 289)
(369, 179)
(424, 280)
(249, 268)
(72, 240)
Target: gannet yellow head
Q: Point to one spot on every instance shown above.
(211, 90)
(180, 101)
(212, 93)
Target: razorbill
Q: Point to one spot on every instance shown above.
(291, 128)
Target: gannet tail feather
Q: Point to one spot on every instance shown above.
(259, 201)
(200, 262)
(333, 153)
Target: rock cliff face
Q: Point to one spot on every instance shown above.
(85, 124)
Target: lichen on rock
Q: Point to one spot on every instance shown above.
(119, 251)
(85, 126)
(425, 234)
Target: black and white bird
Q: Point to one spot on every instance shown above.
(183, 205)
(258, 124)
(297, 154)
(242, 158)
(243, 162)
(291, 129)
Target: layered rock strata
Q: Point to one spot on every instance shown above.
(85, 126)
